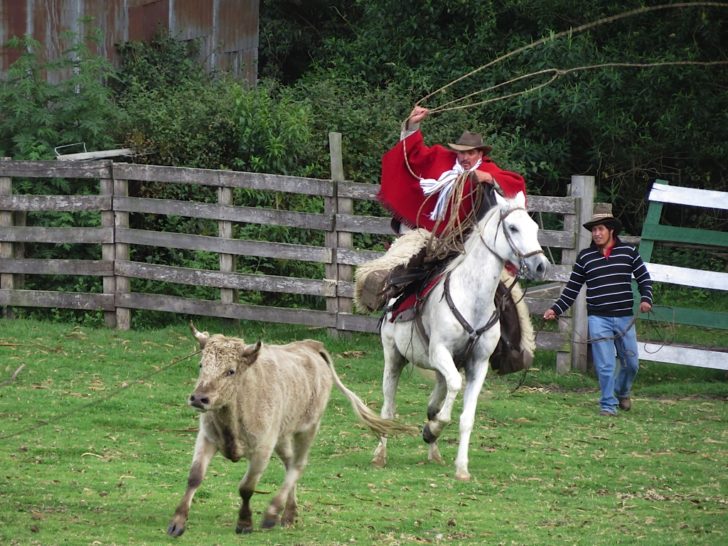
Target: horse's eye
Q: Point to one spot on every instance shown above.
(230, 372)
(513, 229)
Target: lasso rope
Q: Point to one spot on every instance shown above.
(455, 229)
(557, 73)
(59, 417)
(571, 32)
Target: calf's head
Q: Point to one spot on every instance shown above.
(223, 360)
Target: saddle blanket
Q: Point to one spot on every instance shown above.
(403, 309)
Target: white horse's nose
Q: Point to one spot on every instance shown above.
(537, 266)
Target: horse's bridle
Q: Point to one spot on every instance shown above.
(522, 267)
(474, 334)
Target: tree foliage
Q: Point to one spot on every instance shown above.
(38, 116)
(624, 125)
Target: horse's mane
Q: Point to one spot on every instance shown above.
(473, 236)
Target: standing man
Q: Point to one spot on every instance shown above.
(417, 180)
(607, 267)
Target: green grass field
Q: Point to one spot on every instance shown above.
(96, 442)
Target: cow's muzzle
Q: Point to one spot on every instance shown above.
(199, 401)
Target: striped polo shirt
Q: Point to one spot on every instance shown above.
(608, 281)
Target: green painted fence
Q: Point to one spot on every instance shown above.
(655, 232)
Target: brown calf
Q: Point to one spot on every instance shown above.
(257, 399)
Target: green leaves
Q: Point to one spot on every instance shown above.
(38, 115)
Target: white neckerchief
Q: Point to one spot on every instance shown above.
(444, 185)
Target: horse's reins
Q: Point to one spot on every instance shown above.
(473, 334)
(523, 267)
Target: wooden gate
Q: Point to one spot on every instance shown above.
(654, 231)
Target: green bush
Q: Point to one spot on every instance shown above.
(38, 116)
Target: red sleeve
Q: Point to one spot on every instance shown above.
(400, 192)
(510, 182)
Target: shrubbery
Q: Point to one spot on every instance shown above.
(360, 73)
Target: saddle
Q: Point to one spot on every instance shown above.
(406, 274)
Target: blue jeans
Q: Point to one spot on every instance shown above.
(621, 343)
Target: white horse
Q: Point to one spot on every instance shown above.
(461, 322)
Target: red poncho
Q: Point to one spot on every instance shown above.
(401, 194)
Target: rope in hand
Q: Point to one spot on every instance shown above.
(621, 334)
(457, 239)
(557, 73)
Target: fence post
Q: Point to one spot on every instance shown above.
(336, 239)
(122, 284)
(7, 281)
(583, 188)
(225, 231)
(108, 251)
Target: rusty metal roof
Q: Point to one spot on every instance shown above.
(226, 30)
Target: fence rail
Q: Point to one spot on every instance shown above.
(655, 232)
(117, 236)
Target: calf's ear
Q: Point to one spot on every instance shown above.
(249, 353)
(201, 337)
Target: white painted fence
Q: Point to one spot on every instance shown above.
(694, 278)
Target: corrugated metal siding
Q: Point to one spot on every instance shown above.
(227, 30)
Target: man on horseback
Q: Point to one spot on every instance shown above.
(418, 180)
(607, 268)
(421, 185)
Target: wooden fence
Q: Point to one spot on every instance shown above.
(338, 222)
(654, 232)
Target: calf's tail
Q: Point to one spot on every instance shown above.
(375, 423)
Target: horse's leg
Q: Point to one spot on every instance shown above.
(394, 363)
(433, 408)
(475, 377)
(442, 362)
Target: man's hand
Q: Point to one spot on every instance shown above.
(417, 114)
(645, 307)
(484, 177)
(550, 314)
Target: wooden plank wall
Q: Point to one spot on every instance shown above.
(337, 220)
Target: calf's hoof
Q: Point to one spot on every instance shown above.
(288, 519)
(175, 529)
(269, 522)
(433, 454)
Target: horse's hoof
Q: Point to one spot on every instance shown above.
(462, 476)
(243, 529)
(379, 462)
(427, 435)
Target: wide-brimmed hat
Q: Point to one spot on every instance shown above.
(470, 141)
(604, 219)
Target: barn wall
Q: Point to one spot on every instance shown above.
(227, 30)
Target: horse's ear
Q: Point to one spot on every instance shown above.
(499, 199)
(520, 199)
